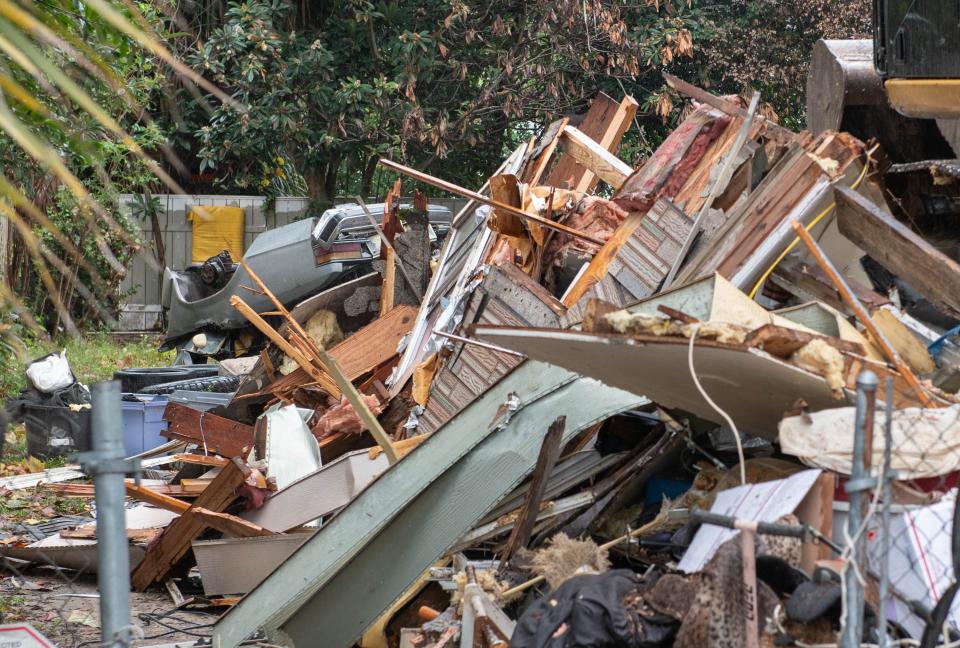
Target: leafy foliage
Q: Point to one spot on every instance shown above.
(766, 44)
(457, 81)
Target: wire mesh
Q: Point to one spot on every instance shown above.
(910, 523)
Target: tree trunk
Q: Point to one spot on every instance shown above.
(366, 181)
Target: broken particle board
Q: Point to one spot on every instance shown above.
(210, 432)
(171, 546)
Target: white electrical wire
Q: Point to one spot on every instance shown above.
(706, 397)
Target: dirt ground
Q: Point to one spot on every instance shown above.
(66, 608)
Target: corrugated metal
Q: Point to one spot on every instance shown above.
(341, 579)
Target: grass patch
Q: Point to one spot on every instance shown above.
(93, 357)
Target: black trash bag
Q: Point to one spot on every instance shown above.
(593, 611)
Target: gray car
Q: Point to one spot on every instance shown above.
(296, 261)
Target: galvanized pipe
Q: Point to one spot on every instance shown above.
(886, 475)
(867, 383)
(113, 558)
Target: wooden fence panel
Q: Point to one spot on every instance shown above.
(142, 283)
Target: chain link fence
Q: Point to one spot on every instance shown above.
(899, 523)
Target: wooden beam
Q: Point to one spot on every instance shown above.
(201, 460)
(607, 166)
(229, 525)
(211, 432)
(317, 374)
(144, 494)
(389, 281)
(527, 518)
(901, 251)
(726, 106)
(605, 123)
(862, 315)
(173, 544)
(472, 195)
(387, 243)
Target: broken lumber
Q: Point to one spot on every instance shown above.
(211, 432)
(605, 123)
(200, 460)
(144, 494)
(164, 553)
(901, 251)
(527, 518)
(597, 159)
(389, 280)
(472, 195)
(862, 315)
(324, 359)
(89, 532)
(320, 376)
(229, 525)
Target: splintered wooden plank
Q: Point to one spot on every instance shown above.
(375, 343)
(783, 342)
(638, 256)
(590, 154)
(605, 122)
(172, 545)
(674, 161)
(229, 525)
(901, 251)
(160, 500)
(211, 432)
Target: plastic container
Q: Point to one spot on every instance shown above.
(203, 401)
(56, 431)
(143, 422)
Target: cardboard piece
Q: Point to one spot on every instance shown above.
(764, 502)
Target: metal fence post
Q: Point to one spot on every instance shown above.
(113, 558)
(886, 475)
(859, 483)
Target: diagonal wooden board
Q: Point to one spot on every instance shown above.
(901, 251)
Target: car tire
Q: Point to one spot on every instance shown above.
(137, 379)
(219, 384)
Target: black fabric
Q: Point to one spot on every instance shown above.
(812, 600)
(593, 611)
(782, 577)
(75, 394)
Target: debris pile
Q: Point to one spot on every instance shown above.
(614, 412)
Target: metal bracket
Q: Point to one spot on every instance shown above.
(96, 462)
(861, 484)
